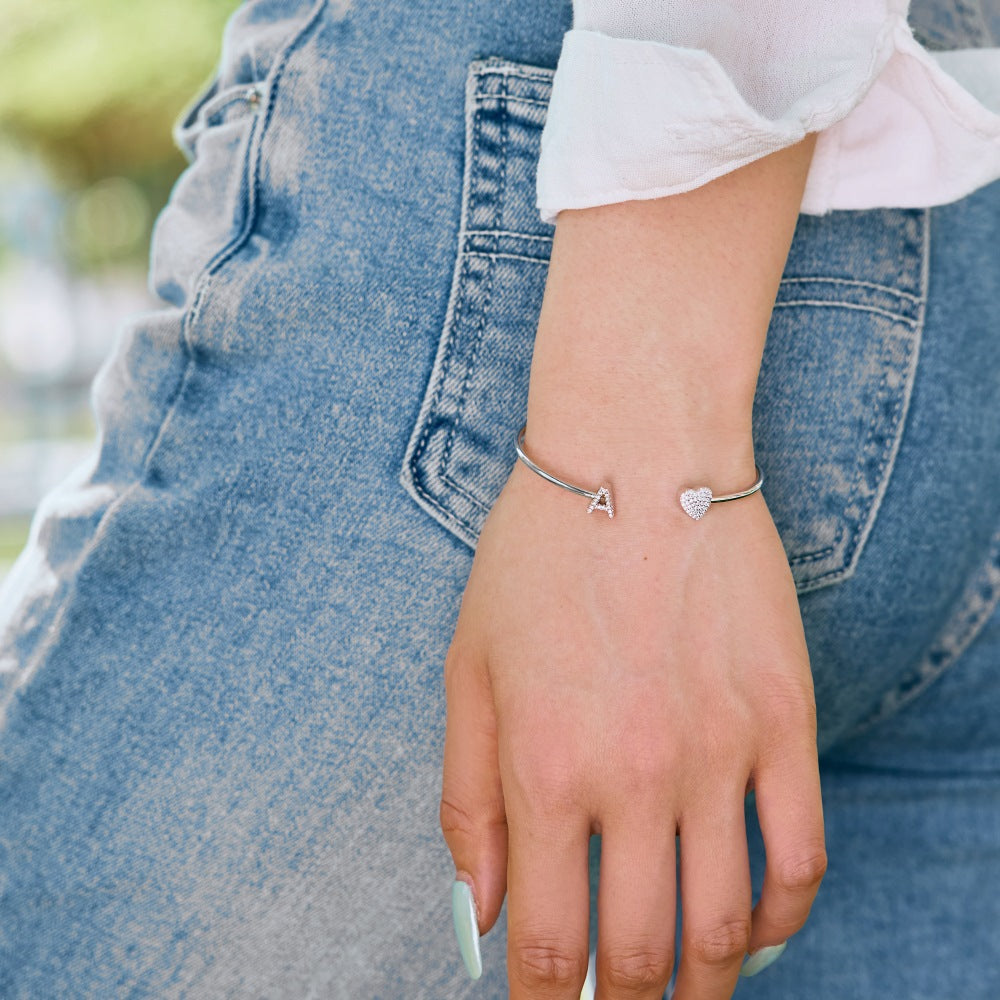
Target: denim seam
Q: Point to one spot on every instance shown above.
(251, 172)
(870, 496)
(470, 364)
(508, 67)
(858, 532)
(977, 603)
(890, 450)
(819, 554)
(506, 232)
(500, 255)
(454, 322)
(471, 358)
(833, 303)
(483, 97)
(411, 473)
(805, 279)
(250, 161)
(503, 99)
(254, 158)
(871, 446)
(901, 408)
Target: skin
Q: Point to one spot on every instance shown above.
(635, 676)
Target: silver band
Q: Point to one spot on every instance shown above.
(694, 502)
(742, 493)
(601, 500)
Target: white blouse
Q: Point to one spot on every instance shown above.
(654, 97)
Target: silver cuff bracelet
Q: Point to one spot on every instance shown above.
(694, 502)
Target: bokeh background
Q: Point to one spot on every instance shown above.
(89, 92)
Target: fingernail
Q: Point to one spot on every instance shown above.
(463, 910)
(760, 960)
(590, 983)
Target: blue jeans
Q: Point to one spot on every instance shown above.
(220, 664)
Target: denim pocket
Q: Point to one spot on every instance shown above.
(835, 380)
(459, 455)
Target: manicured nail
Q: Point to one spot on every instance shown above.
(590, 984)
(463, 910)
(760, 960)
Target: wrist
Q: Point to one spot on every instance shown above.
(645, 478)
(642, 425)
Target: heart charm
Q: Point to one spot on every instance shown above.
(696, 502)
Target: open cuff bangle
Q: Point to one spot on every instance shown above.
(694, 502)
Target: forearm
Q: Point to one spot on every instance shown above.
(653, 324)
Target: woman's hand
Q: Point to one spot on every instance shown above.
(635, 676)
(632, 677)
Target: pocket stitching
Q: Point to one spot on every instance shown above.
(898, 317)
(455, 501)
(250, 176)
(856, 514)
(463, 392)
(808, 279)
(488, 289)
(858, 532)
(447, 360)
(819, 554)
(859, 535)
(977, 603)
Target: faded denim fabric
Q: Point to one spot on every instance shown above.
(220, 663)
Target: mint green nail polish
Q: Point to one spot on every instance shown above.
(463, 910)
(590, 984)
(760, 960)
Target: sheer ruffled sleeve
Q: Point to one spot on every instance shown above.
(653, 98)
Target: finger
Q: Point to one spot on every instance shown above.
(548, 896)
(636, 908)
(790, 810)
(472, 806)
(715, 899)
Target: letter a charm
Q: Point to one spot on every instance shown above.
(602, 501)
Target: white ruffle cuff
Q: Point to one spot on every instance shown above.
(900, 126)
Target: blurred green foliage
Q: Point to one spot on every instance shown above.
(94, 85)
(13, 533)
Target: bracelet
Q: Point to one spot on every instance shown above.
(694, 502)
(601, 500)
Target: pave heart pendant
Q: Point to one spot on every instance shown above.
(696, 502)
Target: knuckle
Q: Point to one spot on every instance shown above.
(636, 970)
(548, 783)
(644, 766)
(548, 966)
(722, 943)
(554, 784)
(802, 872)
(454, 819)
(791, 709)
(458, 821)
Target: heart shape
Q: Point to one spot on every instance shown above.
(696, 502)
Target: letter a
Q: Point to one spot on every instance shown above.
(602, 501)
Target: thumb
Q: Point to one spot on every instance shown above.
(473, 819)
